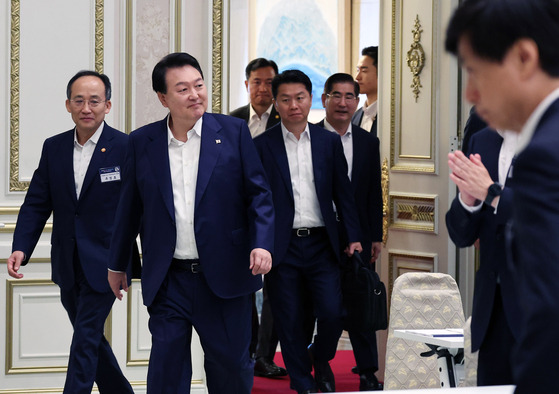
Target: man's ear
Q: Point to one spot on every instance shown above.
(162, 99)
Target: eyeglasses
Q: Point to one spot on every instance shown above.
(93, 103)
(338, 96)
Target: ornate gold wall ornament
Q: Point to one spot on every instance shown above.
(416, 58)
(400, 262)
(217, 54)
(385, 184)
(99, 35)
(413, 213)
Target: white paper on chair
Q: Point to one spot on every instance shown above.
(451, 338)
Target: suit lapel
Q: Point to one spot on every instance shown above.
(102, 150)
(66, 154)
(317, 147)
(210, 149)
(277, 150)
(157, 151)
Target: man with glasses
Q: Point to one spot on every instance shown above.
(361, 149)
(78, 181)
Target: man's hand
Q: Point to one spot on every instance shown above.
(352, 247)
(470, 175)
(117, 281)
(260, 261)
(375, 251)
(14, 262)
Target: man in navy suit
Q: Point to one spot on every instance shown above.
(78, 180)
(510, 53)
(495, 311)
(259, 114)
(361, 149)
(196, 191)
(307, 171)
(367, 78)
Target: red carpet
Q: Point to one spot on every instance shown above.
(341, 365)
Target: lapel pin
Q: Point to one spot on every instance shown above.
(218, 141)
(103, 150)
(277, 116)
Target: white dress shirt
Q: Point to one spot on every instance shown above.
(299, 157)
(82, 157)
(347, 142)
(257, 125)
(369, 115)
(183, 162)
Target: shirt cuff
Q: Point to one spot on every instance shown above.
(118, 272)
(471, 209)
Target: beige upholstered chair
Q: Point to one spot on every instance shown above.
(470, 359)
(419, 301)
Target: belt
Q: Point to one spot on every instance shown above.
(308, 231)
(192, 265)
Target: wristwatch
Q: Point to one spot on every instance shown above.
(493, 191)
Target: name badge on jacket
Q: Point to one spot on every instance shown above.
(109, 174)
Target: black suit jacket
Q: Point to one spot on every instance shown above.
(331, 183)
(366, 186)
(464, 228)
(244, 113)
(358, 116)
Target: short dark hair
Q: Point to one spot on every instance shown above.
(340, 78)
(172, 60)
(89, 73)
(493, 26)
(260, 63)
(291, 76)
(372, 52)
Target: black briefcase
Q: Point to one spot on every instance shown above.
(364, 296)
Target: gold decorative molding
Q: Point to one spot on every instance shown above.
(99, 35)
(416, 58)
(385, 185)
(413, 213)
(15, 184)
(217, 54)
(178, 25)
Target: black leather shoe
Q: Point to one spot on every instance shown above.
(324, 377)
(268, 369)
(355, 370)
(306, 392)
(369, 382)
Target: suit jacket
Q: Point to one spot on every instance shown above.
(535, 180)
(358, 116)
(331, 182)
(244, 114)
(464, 228)
(83, 225)
(233, 211)
(366, 187)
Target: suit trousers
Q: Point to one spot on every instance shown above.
(309, 270)
(495, 353)
(91, 356)
(184, 301)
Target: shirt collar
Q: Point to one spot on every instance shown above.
(197, 129)
(329, 127)
(530, 126)
(370, 110)
(286, 132)
(94, 138)
(253, 113)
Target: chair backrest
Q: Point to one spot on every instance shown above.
(470, 359)
(419, 301)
